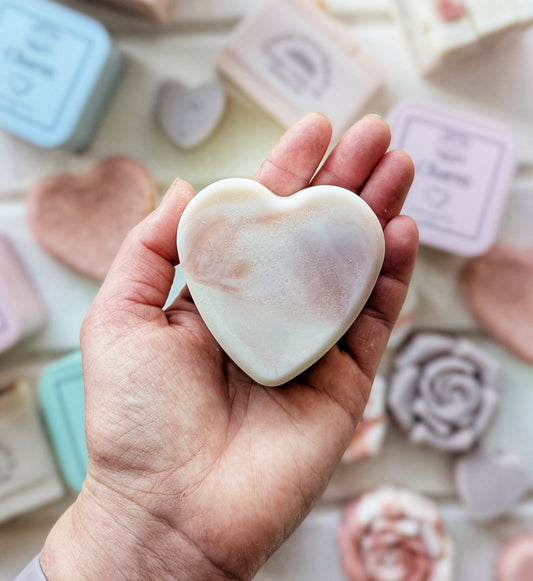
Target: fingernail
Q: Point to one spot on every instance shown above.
(375, 115)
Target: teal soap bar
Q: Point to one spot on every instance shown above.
(58, 71)
(62, 404)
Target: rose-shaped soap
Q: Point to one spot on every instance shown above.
(278, 280)
(444, 391)
(392, 534)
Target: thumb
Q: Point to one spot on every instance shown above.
(142, 273)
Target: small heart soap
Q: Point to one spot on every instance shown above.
(498, 289)
(490, 482)
(82, 220)
(189, 116)
(278, 280)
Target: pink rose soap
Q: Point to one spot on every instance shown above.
(22, 310)
(392, 534)
(278, 280)
(464, 169)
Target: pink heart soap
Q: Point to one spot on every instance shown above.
(278, 280)
(498, 289)
(82, 220)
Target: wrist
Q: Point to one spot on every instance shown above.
(105, 536)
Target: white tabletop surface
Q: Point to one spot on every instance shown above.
(497, 84)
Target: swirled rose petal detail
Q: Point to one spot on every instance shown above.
(391, 534)
(444, 391)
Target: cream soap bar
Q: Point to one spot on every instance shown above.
(292, 58)
(440, 31)
(464, 169)
(58, 70)
(278, 280)
(28, 476)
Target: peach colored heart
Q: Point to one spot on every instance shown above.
(82, 220)
(278, 280)
(449, 10)
(498, 289)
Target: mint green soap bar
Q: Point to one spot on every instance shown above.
(58, 71)
(62, 403)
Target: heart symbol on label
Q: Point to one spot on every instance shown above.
(20, 84)
(437, 197)
(497, 287)
(189, 116)
(278, 280)
(82, 220)
(490, 482)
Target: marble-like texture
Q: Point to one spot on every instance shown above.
(278, 280)
(82, 220)
(392, 534)
(188, 48)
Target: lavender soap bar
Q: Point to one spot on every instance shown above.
(58, 70)
(464, 169)
(278, 280)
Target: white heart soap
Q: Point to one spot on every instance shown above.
(278, 280)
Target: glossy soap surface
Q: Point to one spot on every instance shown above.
(278, 280)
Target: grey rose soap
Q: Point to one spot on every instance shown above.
(278, 280)
(444, 391)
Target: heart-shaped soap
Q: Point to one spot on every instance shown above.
(190, 115)
(82, 220)
(278, 280)
(498, 289)
(490, 482)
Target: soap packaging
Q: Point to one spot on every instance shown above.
(22, 310)
(464, 167)
(58, 71)
(62, 403)
(158, 10)
(292, 58)
(28, 475)
(442, 32)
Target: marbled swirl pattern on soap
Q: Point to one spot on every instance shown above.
(278, 280)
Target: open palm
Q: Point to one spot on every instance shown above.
(220, 467)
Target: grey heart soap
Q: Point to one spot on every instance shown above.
(490, 482)
(278, 280)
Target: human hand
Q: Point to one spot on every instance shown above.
(195, 471)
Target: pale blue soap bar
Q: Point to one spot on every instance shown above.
(58, 71)
(62, 404)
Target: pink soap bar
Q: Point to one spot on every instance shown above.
(464, 169)
(292, 58)
(22, 310)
